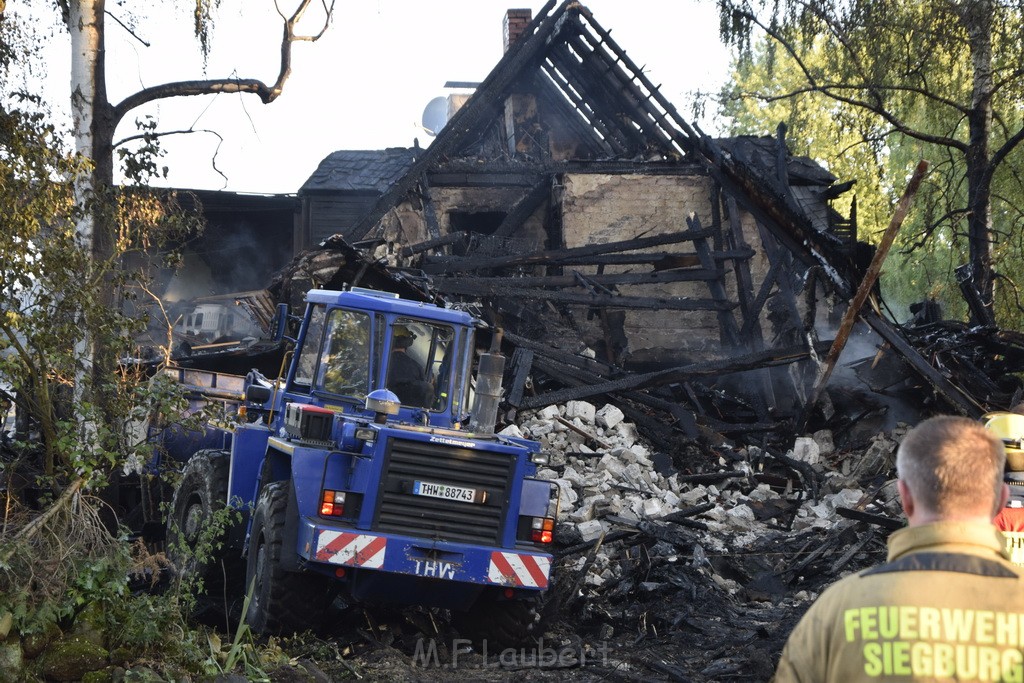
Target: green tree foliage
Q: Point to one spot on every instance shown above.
(882, 84)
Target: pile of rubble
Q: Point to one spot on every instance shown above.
(701, 575)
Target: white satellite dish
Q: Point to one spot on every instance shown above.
(435, 115)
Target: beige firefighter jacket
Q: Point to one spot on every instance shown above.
(946, 606)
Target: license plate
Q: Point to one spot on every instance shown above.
(447, 492)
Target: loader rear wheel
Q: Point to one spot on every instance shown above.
(197, 551)
(501, 623)
(282, 601)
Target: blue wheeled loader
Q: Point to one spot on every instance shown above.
(370, 470)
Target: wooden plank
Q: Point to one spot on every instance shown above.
(662, 260)
(429, 214)
(728, 330)
(678, 303)
(863, 291)
(449, 264)
(751, 330)
(770, 357)
(426, 245)
(762, 297)
(599, 370)
(496, 284)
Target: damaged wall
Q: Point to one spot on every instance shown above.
(609, 208)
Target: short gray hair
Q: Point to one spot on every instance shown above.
(952, 465)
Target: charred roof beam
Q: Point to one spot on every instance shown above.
(555, 68)
(652, 122)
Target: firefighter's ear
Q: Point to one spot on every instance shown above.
(906, 498)
(1004, 498)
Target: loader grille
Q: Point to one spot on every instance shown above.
(399, 510)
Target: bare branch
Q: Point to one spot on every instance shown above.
(266, 93)
(189, 131)
(128, 29)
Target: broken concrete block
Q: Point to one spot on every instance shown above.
(629, 514)
(609, 416)
(571, 475)
(741, 516)
(626, 432)
(567, 497)
(845, 498)
(611, 464)
(624, 454)
(694, 496)
(584, 513)
(823, 438)
(539, 429)
(641, 452)
(513, 431)
(652, 508)
(546, 473)
(582, 410)
(590, 530)
(762, 493)
(548, 413)
(806, 450)
(633, 473)
(671, 499)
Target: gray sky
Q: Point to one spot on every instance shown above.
(364, 85)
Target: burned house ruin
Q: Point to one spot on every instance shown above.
(698, 282)
(624, 252)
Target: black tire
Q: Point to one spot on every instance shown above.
(202, 493)
(282, 601)
(502, 623)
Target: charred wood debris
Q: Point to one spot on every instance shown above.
(703, 505)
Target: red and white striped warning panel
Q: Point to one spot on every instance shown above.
(354, 550)
(513, 569)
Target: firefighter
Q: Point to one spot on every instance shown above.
(406, 376)
(1010, 428)
(948, 604)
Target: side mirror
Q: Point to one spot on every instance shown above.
(280, 322)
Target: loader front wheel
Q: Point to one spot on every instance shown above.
(197, 531)
(282, 601)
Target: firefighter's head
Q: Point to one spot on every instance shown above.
(951, 468)
(404, 337)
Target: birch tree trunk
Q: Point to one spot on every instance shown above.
(85, 24)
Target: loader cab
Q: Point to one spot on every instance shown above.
(353, 343)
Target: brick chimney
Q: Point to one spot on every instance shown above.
(516, 21)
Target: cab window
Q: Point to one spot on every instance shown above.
(345, 362)
(419, 367)
(310, 351)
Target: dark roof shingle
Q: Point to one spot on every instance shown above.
(358, 170)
